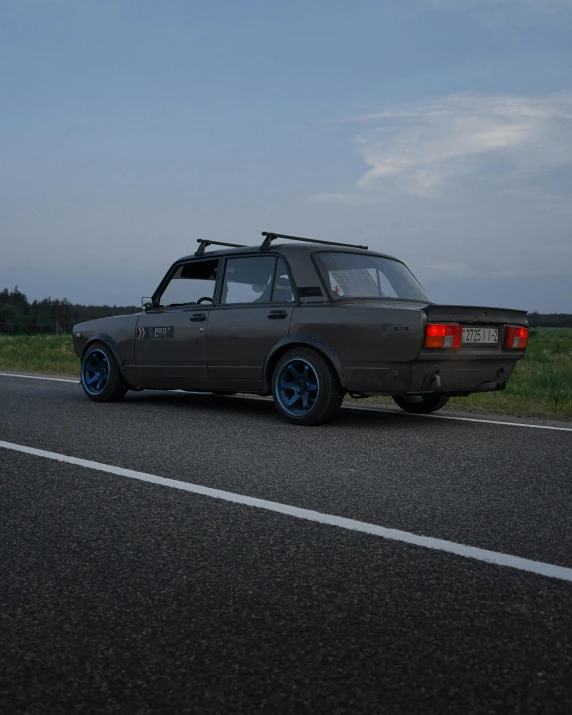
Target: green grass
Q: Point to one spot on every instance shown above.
(541, 385)
(49, 354)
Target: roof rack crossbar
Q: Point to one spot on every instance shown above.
(272, 236)
(205, 242)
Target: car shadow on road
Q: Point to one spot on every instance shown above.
(263, 408)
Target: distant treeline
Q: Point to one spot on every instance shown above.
(550, 320)
(20, 317)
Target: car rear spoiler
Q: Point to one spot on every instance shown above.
(474, 314)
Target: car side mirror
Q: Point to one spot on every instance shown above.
(147, 302)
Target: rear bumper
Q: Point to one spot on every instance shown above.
(447, 377)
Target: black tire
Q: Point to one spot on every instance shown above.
(329, 393)
(112, 386)
(421, 404)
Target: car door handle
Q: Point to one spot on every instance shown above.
(277, 314)
(198, 317)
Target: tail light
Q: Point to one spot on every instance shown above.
(515, 337)
(443, 335)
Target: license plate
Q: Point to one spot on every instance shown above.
(480, 335)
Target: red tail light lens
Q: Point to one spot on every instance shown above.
(443, 335)
(515, 337)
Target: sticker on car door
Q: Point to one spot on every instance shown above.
(152, 333)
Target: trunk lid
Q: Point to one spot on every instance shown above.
(475, 315)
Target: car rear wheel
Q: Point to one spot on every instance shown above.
(421, 404)
(101, 378)
(306, 388)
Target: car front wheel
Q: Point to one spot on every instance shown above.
(306, 388)
(101, 378)
(421, 404)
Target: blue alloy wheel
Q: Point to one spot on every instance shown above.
(297, 387)
(95, 372)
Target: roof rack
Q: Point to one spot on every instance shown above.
(205, 242)
(272, 236)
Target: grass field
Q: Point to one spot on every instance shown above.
(48, 354)
(541, 385)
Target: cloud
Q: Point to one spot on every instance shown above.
(427, 149)
(344, 198)
(78, 5)
(482, 9)
(460, 271)
(462, 5)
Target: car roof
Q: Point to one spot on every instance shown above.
(294, 250)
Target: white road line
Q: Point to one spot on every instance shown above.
(37, 377)
(345, 407)
(428, 542)
(459, 419)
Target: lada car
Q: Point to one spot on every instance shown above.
(305, 321)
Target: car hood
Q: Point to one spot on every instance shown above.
(107, 325)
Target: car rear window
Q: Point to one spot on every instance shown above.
(356, 275)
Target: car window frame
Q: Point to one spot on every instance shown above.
(169, 275)
(254, 304)
(280, 257)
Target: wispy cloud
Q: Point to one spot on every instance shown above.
(541, 5)
(427, 148)
(412, 8)
(80, 5)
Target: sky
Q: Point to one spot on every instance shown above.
(438, 131)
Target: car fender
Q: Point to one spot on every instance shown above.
(306, 340)
(111, 344)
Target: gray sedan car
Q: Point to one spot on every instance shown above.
(306, 321)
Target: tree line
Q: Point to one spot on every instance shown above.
(20, 317)
(550, 320)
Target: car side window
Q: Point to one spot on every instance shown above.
(191, 282)
(248, 280)
(282, 292)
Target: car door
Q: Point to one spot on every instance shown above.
(171, 337)
(253, 314)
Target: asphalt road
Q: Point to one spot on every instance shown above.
(121, 596)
